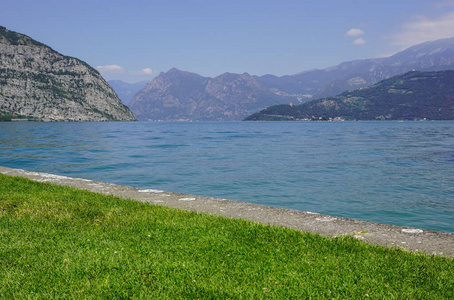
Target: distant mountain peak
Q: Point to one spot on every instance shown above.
(178, 95)
(174, 70)
(182, 95)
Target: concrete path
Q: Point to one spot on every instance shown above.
(431, 242)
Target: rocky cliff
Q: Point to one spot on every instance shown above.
(178, 95)
(40, 83)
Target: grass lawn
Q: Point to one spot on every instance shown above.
(63, 243)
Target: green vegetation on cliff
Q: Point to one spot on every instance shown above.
(6, 117)
(63, 243)
(412, 96)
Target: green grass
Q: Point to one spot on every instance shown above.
(62, 243)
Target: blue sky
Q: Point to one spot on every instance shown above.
(135, 40)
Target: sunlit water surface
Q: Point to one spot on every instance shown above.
(391, 172)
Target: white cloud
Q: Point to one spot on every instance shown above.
(424, 29)
(355, 32)
(118, 72)
(146, 71)
(110, 69)
(359, 41)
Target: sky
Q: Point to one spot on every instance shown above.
(135, 40)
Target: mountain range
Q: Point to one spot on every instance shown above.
(428, 56)
(412, 96)
(41, 84)
(180, 95)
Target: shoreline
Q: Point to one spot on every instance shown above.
(413, 239)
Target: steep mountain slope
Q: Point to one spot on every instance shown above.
(40, 83)
(412, 96)
(179, 95)
(125, 90)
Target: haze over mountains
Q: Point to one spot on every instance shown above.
(179, 95)
(429, 56)
(125, 90)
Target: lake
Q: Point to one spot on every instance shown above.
(398, 173)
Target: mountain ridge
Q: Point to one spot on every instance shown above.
(181, 95)
(302, 87)
(412, 96)
(427, 56)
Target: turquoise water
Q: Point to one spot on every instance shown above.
(391, 172)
